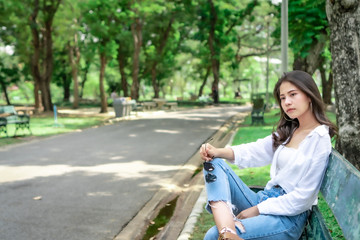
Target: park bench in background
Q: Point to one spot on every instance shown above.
(340, 188)
(8, 115)
(160, 102)
(149, 105)
(171, 105)
(257, 113)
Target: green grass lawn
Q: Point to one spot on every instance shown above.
(260, 176)
(42, 126)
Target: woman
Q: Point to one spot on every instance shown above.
(298, 152)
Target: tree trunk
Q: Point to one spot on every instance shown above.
(344, 21)
(66, 86)
(204, 81)
(136, 29)
(37, 97)
(326, 85)
(121, 60)
(74, 57)
(43, 77)
(159, 50)
(153, 80)
(101, 81)
(35, 58)
(84, 78)
(215, 55)
(312, 61)
(48, 65)
(327, 88)
(3, 86)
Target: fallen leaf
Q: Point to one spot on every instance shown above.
(37, 198)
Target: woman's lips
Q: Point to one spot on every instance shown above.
(290, 110)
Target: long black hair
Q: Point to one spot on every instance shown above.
(305, 83)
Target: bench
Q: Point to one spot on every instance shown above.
(149, 105)
(8, 115)
(258, 110)
(341, 191)
(171, 105)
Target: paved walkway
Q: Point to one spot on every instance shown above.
(93, 184)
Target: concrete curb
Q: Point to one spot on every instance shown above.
(195, 213)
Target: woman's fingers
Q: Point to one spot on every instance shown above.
(204, 152)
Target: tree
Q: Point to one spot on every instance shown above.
(136, 30)
(218, 20)
(67, 34)
(123, 56)
(88, 51)
(100, 19)
(160, 37)
(33, 45)
(40, 22)
(62, 72)
(74, 49)
(123, 39)
(308, 27)
(165, 30)
(344, 24)
(308, 31)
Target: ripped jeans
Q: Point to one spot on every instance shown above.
(227, 187)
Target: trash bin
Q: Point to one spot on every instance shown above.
(121, 107)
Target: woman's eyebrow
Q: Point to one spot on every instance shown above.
(290, 91)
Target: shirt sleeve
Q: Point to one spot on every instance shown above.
(302, 197)
(255, 154)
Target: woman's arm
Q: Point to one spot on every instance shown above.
(253, 154)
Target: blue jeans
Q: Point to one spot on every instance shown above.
(229, 188)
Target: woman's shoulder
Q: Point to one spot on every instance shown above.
(320, 138)
(321, 130)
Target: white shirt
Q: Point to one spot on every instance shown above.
(285, 156)
(302, 176)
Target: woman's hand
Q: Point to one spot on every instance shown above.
(248, 213)
(207, 152)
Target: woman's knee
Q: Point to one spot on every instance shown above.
(216, 163)
(212, 234)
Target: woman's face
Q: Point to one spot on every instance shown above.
(294, 102)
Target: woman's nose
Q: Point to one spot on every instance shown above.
(287, 101)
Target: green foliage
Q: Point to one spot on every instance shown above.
(100, 18)
(8, 74)
(161, 220)
(307, 21)
(104, 26)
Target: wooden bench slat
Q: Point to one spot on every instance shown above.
(341, 190)
(316, 228)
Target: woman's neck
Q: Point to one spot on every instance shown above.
(307, 121)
